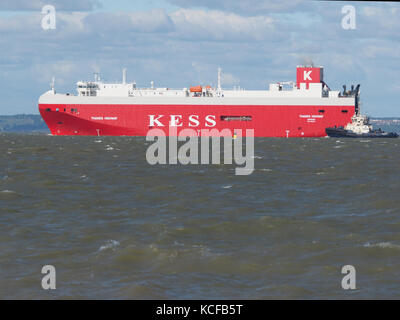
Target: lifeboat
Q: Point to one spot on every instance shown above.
(196, 89)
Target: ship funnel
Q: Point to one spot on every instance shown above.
(309, 75)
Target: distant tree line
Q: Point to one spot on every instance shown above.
(22, 123)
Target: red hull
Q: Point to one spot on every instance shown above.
(134, 120)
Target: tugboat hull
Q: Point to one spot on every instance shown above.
(343, 133)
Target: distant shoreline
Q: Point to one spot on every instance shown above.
(23, 123)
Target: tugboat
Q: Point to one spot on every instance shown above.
(359, 127)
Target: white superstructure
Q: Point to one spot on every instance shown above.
(309, 89)
(97, 88)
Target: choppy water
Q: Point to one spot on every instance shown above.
(116, 227)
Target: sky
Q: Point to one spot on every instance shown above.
(180, 43)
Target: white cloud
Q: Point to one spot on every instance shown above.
(385, 20)
(62, 70)
(217, 25)
(21, 23)
(188, 24)
(185, 46)
(37, 5)
(152, 21)
(245, 7)
(229, 79)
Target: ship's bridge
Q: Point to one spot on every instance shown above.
(87, 88)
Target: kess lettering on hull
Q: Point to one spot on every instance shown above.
(177, 121)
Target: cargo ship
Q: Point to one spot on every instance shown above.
(301, 108)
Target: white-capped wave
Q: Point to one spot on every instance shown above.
(383, 245)
(7, 191)
(110, 244)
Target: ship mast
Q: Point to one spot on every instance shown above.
(357, 98)
(53, 80)
(124, 76)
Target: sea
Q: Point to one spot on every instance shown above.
(112, 226)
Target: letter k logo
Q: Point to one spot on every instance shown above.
(307, 75)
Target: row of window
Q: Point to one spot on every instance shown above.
(249, 118)
(89, 93)
(65, 110)
(323, 111)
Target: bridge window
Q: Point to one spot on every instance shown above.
(345, 111)
(321, 111)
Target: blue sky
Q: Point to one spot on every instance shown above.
(178, 43)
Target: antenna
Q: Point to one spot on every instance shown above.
(124, 76)
(219, 78)
(53, 80)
